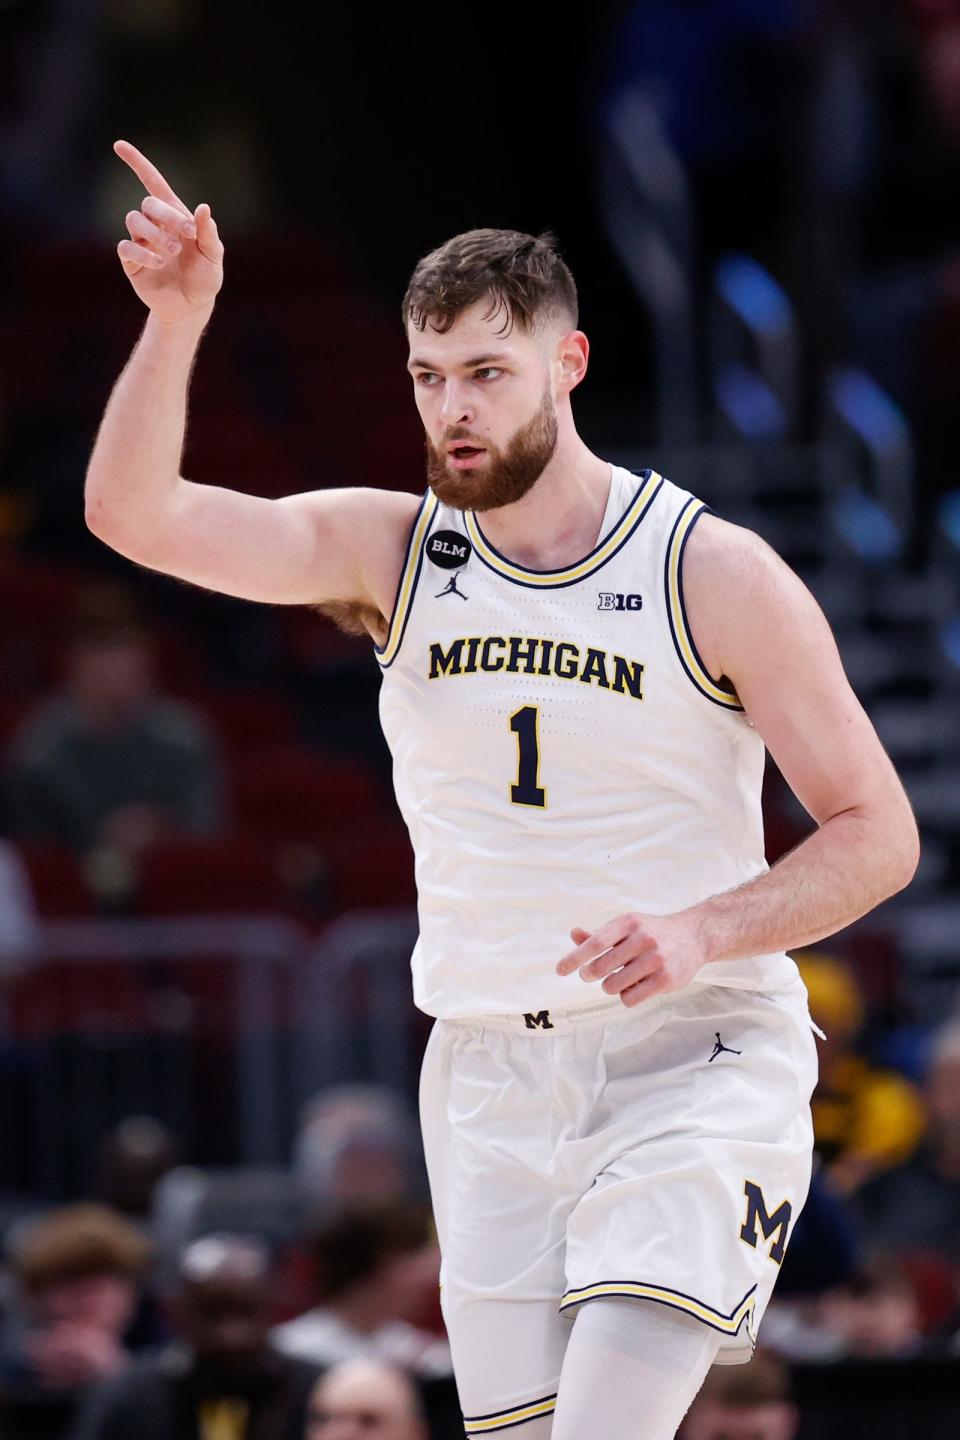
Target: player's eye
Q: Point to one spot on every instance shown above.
(425, 377)
(487, 370)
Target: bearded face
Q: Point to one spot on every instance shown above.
(499, 477)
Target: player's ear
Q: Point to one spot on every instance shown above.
(573, 355)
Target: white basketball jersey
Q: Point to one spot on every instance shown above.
(561, 755)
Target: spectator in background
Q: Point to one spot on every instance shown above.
(365, 1400)
(134, 1159)
(79, 1271)
(917, 1205)
(377, 1272)
(823, 1253)
(876, 1316)
(356, 1143)
(222, 1380)
(108, 765)
(744, 1402)
(865, 1120)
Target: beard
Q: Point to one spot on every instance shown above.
(507, 475)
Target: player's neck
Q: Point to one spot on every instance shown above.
(559, 520)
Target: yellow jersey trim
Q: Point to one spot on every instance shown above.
(608, 547)
(726, 1324)
(502, 1419)
(679, 626)
(407, 583)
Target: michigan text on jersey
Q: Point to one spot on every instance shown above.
(530, 655)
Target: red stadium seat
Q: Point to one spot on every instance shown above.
(40, 590)
(14, 710)
(244, 719)
(56, 878)
(371, 867)
(204, 876)
(179, 665)
(291, 793)
(313, 642)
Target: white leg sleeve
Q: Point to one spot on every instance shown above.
(630, 1371)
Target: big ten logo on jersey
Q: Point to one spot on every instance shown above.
(611, 601)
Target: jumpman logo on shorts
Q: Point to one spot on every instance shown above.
(719, 1048)
(451, 588)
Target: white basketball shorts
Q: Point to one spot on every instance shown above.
(661, 1153)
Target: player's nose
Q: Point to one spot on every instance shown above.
(454, 406)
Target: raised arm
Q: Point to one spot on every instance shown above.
(331, 545)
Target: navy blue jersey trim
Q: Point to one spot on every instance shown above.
(403, 570)
(577, 580)
(661, 1299)
(657, 1300)
(509, 1410)
(381, 649)
(723, 683)
(508, 1425)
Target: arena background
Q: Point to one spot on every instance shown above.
(758, 199)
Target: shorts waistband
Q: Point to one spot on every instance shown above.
(561, 1022)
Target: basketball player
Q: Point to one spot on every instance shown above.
(580, 669)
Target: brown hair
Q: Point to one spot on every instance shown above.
(354, 1243)
(522, 275)
(764, 1381)
(883, 1275)
(77, 1241)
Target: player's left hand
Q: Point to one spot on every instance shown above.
(638, 956)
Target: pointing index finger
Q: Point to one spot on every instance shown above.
(583, 954)
(148, 174)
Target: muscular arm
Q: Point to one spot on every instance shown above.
(303, 549)
(336, 548)
(754, 621)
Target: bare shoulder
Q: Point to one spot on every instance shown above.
(755, 622)
(386, 513)
(376, 526)
(733, 553)
(742, 597)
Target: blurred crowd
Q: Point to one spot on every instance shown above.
(176, 1301)
(169, 754)
(165, 1305)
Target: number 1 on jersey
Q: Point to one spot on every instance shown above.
(525, 724)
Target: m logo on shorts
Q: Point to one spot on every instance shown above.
(775, 1225)
(540, 1021)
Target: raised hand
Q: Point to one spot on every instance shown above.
(174, 257)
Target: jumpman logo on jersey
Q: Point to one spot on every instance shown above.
(451, 588)
(720, 1048)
